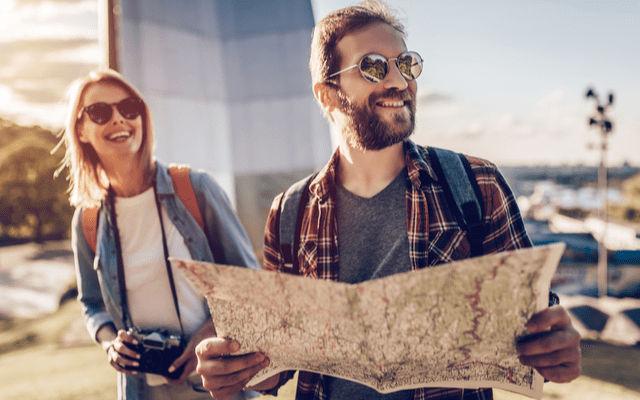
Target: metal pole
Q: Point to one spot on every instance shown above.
(606, 127)
(602, 248)
(112, 12)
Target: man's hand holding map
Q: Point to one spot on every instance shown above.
(454, 325)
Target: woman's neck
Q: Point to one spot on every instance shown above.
(128, 181)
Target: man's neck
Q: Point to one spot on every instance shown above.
(366, 173)
(127, 181)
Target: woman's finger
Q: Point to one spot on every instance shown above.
(126, 337)
(116, 362)
(120, 360)
(125, 350)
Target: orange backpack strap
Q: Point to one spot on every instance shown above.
(184, 190)
(90, 226)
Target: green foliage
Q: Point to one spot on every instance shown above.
(33, 205)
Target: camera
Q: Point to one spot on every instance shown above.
(158, 349)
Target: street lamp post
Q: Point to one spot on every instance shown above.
(600, 120)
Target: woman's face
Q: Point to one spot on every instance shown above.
(119, 138)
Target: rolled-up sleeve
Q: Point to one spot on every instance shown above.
(89, 294)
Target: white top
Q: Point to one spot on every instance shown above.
(148, 289)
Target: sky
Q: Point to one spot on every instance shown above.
(503, 80)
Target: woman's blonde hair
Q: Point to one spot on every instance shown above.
(88, 181)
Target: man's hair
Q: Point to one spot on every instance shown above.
(329, 30)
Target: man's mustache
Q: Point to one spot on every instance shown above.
(391, 94)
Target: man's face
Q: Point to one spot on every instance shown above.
(377, 115)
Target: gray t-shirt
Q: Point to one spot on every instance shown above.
(373, 243)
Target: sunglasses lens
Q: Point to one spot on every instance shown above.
(130, 108)
(374, 67)
(410, 65)
(100, 113)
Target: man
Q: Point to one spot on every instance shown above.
(377, 208)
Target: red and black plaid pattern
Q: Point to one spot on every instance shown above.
(433, 232)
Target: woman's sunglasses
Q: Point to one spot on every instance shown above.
(375, 67)
(101, 112)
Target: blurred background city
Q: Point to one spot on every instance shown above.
(228, 85)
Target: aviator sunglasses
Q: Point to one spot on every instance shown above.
(101, 112)
(375, 67)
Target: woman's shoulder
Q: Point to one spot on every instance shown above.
(204, 181)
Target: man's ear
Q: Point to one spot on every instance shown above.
(326, 93)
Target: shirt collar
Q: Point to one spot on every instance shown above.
(419, 171)
(164, 184)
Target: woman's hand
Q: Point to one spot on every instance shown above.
(121, 357)
(188, 357)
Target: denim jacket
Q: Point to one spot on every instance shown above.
(96, 274)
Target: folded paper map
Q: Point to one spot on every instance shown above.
(454, 325)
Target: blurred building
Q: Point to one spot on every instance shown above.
(229, 88)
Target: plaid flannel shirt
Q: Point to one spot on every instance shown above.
(434, 238)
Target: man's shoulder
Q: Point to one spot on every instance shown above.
(478, 165)
(481, 165)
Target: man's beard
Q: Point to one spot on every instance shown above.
(366, 131)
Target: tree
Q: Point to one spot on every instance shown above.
(33, 205)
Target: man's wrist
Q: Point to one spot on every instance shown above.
(270, 386)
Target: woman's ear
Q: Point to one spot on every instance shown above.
(326, 94)
(80, 132)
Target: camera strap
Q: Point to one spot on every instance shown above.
(128, 322)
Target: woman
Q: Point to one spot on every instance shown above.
(140, 220)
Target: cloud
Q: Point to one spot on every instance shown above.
(16, 109)
(27, 3)
(434, 98)
(48, 19)
(550, 128)
(37, 72)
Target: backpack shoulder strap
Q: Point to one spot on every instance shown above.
(184, 190)
(89, 217)
(292, 205)
(461, 188)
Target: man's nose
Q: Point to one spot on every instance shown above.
(394, 78)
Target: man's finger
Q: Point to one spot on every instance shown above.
(229, 365)
(549, 318)
(547, 342)
(215, 347)
(218, 383)
(561, 373)
(560, 357)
